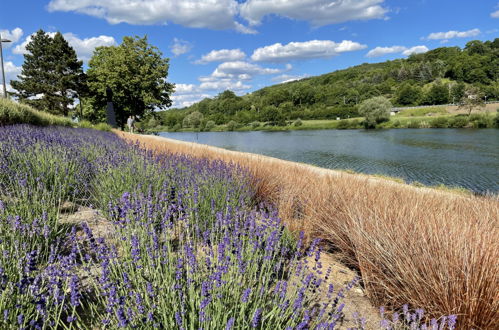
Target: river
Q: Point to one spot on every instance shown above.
(455, 157)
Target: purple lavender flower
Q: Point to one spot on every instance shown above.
(256, 318)
(230, 324)
(246, 294)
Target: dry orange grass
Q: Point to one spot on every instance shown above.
(428, 248)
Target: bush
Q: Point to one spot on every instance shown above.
(343, 124)
(458, 122)
(481, 121)
(496, 120)
(210, 124)
(298, 122)
(440, 122)
(103, 127)
(255, 124)
(376, 110)
(414, 124)
(232, 125)
(176, 127)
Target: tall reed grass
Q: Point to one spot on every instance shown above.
(15, 113)
(421, 246)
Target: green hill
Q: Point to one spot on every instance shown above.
(439, 76)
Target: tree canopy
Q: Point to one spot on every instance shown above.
(51, 75)
(136, 72)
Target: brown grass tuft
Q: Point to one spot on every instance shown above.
(428, 248)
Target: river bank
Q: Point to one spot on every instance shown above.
(425, 117)
(401, 239)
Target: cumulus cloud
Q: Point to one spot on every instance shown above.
(212, 14)
(495, 14)
(453, 34)
(317, 12)
(223, 84)
(304, 50)
(222, 55)
(181, 100)
(284, 78)
(242, 70)
(415, 50)
(180, 47)
(83, 47)
(13, 36)
(11, 73)
(381, 51)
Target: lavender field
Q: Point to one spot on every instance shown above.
(181, 243)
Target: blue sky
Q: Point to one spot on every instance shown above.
(245, 45)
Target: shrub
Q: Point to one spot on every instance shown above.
(414, 124)
(210, 124)
(298, 122)
(496, 120)
(343, 124)
(440, 122)
(375, 110)
(176, 127)
(232, 125)
(255, 124)
(103, 127)
(458, 122)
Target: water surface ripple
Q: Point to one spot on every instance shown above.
(456, 157)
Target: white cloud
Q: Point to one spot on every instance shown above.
(223, 84)
(242, 70)
(381, 51)
(13, 36)
(212, 14)
(415, 50)
(185, 100)
(222, 55)
(304, 50)
(184, 88)
(453, 34)
(495, 14)
(11, 73)
(284, 78)
(317, 12)
(83, 47)
(180, 47)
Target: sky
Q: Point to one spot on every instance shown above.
(244, 45)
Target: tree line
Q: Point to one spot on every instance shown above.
(52, 78)
(440, 76)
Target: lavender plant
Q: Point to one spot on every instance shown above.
(185, 246)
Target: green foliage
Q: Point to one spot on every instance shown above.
(210, 124)
(419, 112)
(232, 125)
(255, 124)
(50, 69)
(375, 110)
(439, 76)
(136, 72)
(496, 120)
(15, 113)
(193, 120)
(298, 122)
(439, 122)
(472, 99)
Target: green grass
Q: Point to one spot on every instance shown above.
(418, 112)
(16, 113)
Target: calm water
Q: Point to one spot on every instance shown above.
(457, 157)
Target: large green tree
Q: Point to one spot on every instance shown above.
(51, 75)
(136, 72)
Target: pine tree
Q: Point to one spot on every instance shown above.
(51, 74)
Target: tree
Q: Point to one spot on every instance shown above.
(136, 73)
(193, 120)
(375, 110)
(51, 75)
(408, 95)
(472, 98)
